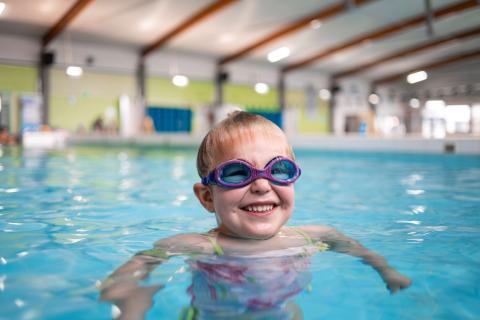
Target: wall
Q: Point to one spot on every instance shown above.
(161, 91)
(245, 95)
(111, 72)
(77, 102)
(351, 100)
(14, 82)
(302, 119)
(18, 50)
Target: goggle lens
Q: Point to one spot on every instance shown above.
(283, 170)
(235, 173)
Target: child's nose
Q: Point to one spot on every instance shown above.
(260, 185)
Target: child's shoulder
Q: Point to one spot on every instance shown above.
(185, 243)
(316, 228)
(312, 230)
(181, 238)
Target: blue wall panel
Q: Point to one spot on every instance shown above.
(274, 116)
(170, 119)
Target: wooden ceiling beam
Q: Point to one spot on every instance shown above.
(437, 64)
(196, 18)
(292, 27)
(409, 51)
(61, 24)
(384, 32)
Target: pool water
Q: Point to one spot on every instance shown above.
(69, 218)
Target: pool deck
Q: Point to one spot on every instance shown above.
(409, 144)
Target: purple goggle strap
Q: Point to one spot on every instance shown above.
(256, 173)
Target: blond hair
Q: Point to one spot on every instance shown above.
(237, 124)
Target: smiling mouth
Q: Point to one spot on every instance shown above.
(260, 210)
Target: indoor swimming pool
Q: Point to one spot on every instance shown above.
(68, 218)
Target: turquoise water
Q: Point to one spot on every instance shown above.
(69, 218)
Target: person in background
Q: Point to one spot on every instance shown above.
(98, 125)
(147, 125)
(6, 138)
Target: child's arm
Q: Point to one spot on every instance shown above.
(123, 290)
(122, 287)
(341, 243)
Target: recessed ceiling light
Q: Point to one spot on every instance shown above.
(414, 103)
(315, 24)
(278, 54)
(324, 94)
(261, 88)
(74, 71)
(435, 104)
(46, 7)
(374, 98)
(146, 25)
(417, 77)
(226, 38)
(180, 80)
(2, 7)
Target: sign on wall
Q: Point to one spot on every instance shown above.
(31, 113)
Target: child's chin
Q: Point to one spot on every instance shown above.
(262, 235)
(252, 232)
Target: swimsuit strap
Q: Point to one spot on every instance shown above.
(305, 235)
(321, 246)
(217, 249)
(156, 253)
(188, 313)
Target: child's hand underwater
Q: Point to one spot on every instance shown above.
(395, 280)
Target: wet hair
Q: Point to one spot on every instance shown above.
(238, 125)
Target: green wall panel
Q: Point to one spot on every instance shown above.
(70, 114)
(314, 121)
(161, 91)
(15, 81)
(309, 121)
(77, 102)
(18, 78)
(245, 95)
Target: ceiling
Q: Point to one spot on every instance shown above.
(139, 23)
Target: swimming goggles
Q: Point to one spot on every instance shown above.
(239, 173)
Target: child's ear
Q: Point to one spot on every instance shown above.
(204, 195)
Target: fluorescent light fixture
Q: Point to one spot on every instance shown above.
(315, 24)
(278, 54)
(457, 118)
(373, 98)
(324, 94)
(434, 109)
(180, 81)
(261, 88)
(417, 77)
(227, 38)
(74, 71)
(2, 7)
(414, 103)
(146, 25)
(458, 113)
(435, 104)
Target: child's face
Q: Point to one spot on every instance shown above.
(261, 208)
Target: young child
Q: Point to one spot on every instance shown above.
(251, 264)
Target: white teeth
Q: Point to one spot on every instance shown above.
(259, 208)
